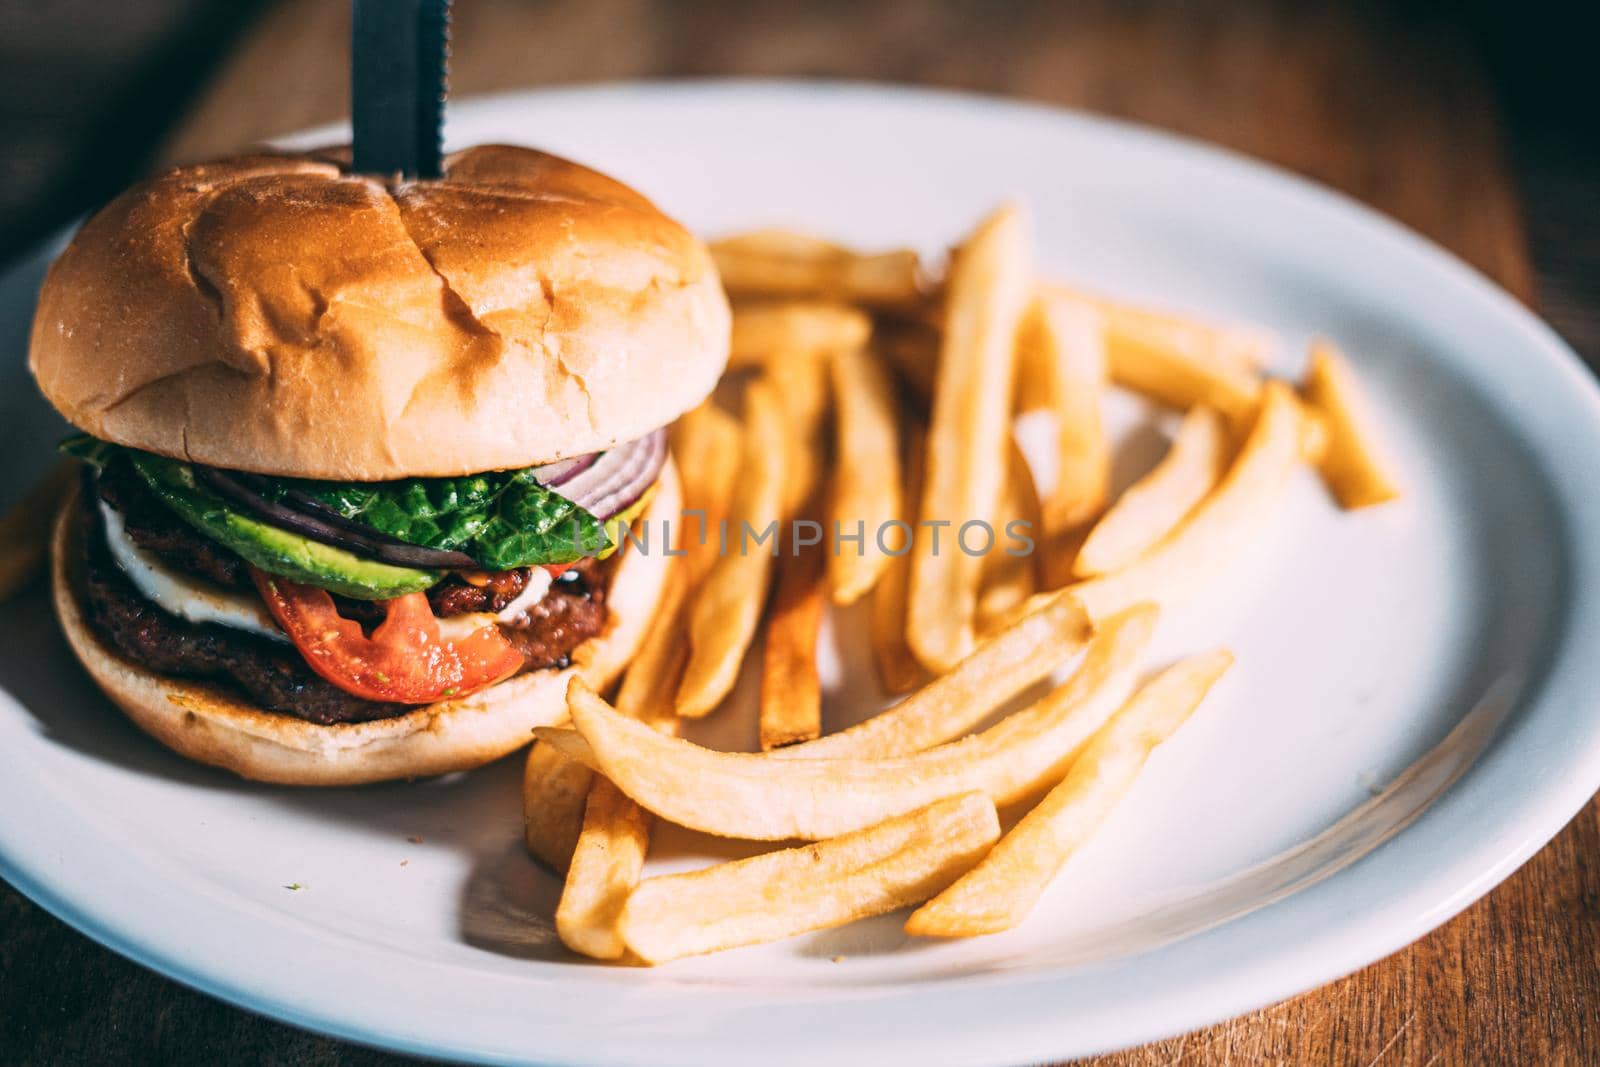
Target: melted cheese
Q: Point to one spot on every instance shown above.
(185, 595)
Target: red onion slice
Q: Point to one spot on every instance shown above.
(561, 471)
(619, 477)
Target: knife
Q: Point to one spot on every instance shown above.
(399, 62)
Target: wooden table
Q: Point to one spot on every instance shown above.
(1393, 111)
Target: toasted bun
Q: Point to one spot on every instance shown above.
(214, 725)
(278, 314)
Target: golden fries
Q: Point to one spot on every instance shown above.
(1315, 437)
(866, 476)
(773, 263)
(723, 618)
(1178, 362)
(898, 669)
(900, 861)
(1237, 348)
(1156, 503)
(999, 892)
(988, 290)
(756, 797)
(609, 851)
(1219, 527)
(802, 386)
(705, 445)
(1352, 464)
(780, 329)
(25, 529)
(1010, 569)
(1064, 342)
(901, 808)
(791, 692)
(647, 689)
(554, 791)
(606, 861)
(950, 705)
(706, 450)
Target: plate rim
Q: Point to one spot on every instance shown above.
(1471, 871)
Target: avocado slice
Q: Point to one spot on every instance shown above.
(275, 551)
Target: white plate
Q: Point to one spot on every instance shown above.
(1277, 842)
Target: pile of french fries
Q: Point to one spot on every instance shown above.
(870, 397)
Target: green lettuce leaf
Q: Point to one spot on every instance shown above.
(502, 519)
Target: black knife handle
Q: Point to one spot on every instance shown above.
(399, 54)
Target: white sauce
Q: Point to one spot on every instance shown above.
(538, 585)
(184, 595)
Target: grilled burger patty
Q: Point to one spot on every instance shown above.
(273, 675)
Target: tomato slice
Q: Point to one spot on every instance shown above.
(405, 660)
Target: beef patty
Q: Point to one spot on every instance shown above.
(273, 675)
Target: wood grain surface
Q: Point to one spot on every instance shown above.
(1392, 110)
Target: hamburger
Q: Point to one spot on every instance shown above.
(360, 456)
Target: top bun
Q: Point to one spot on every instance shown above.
(279, 314)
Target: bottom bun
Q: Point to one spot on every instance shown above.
(211, 724)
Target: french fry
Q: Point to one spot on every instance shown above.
(705, 449)
(728, 606)
(1063, 342)
(802, 386)
(1174, 361)
(706, 446)
(657, 667)
(1239, 348)
(1315, 437)
(791, 692)
(756, 797)
(606, 862)
(25, 529)
(1010, 570)
(1156, 503)
(780, 263)
(989, 287)
(769, 330)
(554, 791)
(1218, 528)
(898, 669)
(866, 475)
(897, 862)
(951, 704)
(609, 851)
(999, 892)
(1353, 465)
